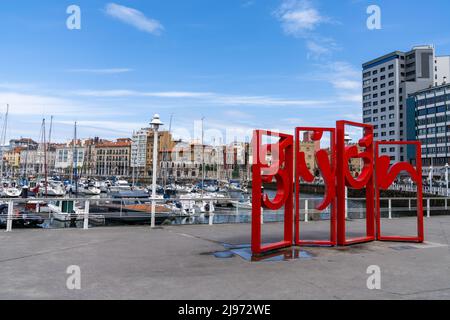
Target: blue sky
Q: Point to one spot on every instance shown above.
(240, 64)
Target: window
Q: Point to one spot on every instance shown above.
(382, 69)
(391, 66)
(391, 75)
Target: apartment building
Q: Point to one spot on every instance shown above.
(387, 83)
(428, 117)
(113, 158)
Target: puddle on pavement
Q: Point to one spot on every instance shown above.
(244, 251)
(401, 248)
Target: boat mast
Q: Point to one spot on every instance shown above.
(203, 158)
(75, 158)
(3, 138)
(45, 155)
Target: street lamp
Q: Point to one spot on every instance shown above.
(156, 123)
(430, 178)
(446, 179)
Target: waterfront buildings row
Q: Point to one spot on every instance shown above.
(128, 157)
(132, 158)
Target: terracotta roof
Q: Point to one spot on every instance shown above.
(117, 144)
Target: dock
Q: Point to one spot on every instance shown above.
(179, 262)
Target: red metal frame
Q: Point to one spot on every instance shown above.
(385, 176)
(364, 180)
(282, 170)
(327, 166)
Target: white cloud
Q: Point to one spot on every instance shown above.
(35, 104)
(122, 127)
(346, 84)
(135, 18)
(298, 17)
(132, 93)
(101, 71)
(208, 97)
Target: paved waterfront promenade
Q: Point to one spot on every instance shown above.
(177, 263)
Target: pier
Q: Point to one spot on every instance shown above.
(179, 262)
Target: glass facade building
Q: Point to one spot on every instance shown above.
(428, 120)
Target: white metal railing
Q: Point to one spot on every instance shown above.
(440, 204)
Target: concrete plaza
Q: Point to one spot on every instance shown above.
(178, 262)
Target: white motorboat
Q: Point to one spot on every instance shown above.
(9, 189)
(69, 210)
(89, 190)
(54, 189)
(65, 210)
(103, 185)
(12, 192)
(193, 203)
(120, 185)
(247, 205)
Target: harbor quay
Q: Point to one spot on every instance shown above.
(196, 262)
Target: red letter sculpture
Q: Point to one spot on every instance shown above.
(364, 180)
(327, 165)
(280, 168)
(276, 161)
(386, 175)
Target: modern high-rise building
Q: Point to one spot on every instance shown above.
(428, 118)
(387, 83)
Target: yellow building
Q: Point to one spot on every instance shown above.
(12, 159)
